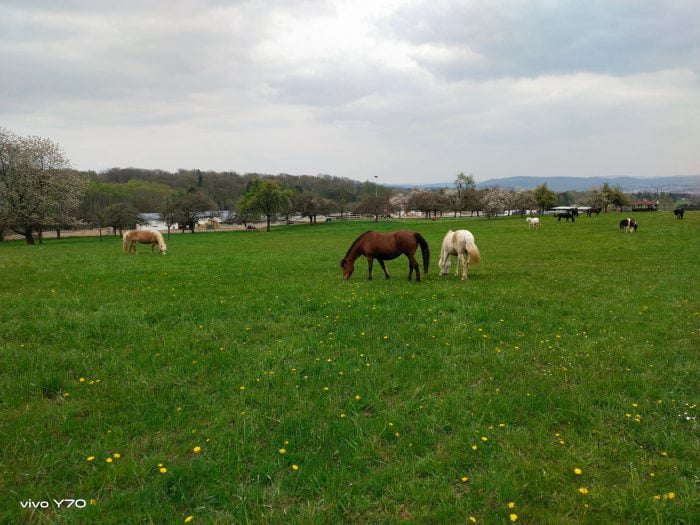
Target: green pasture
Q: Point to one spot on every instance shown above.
(313, 400)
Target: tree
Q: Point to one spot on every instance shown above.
(308, 205)
(524, 200)
(265, 197)
(605, 196)
(375, 206)
(121, 216)
(190, 207)
(428, 202)
(37, 188)
(466, 191)
(496, 200)
(169, 212)
(544, 197)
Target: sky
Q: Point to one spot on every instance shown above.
(406, 91)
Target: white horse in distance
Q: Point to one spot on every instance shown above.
(460, 243)
(533, 222)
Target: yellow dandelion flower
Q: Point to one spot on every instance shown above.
(109, 460)
(657, 497)
(82, 379)
(295, 467)
(464, 479)
(90, 458)
(326, 389)
(501, 425)
(671, 495)
(472, 519)
(117, 455)
(474, 447)
(513, 517)
(484, 439)
(189, 519)
(282, 451)
(93, 501)
(561, 441)
(241, 388)
(160, 464)
(664, 453)
(578, 471)
(162, 470)
(358, 397)
(583, 490)
(197, 449)
(511, 505)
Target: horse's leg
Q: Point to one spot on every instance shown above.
(413, 265)
(465, 266)
(370, 260)
(386, 274)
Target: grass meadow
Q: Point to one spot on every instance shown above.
(239, 380)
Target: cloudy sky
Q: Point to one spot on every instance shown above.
(407, 90)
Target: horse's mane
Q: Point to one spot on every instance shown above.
(355, 242)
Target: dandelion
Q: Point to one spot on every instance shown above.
(358, 397)
(513, 517)
(109, 460)
(501, 425)
(664, 453)
(472, 519)
(197, 449)
(282, 451)
(671, 495)
(326, 389)
(474, 447)
(464, 479)
(583, 490)
(82, 379)
(657, 497)
(93, 501)
(90, 458)
(578, 471)
(295, 467)
(189, 519)
(511, 505)
(117, 455)
(484, 439)
(162, 470)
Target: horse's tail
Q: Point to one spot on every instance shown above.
(125, 242)
(425, 251)
(473, 251)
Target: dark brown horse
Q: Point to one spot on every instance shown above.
(384, 247)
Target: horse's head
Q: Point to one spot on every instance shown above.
(348, 267)
(163, 249)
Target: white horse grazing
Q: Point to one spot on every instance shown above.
(460, 243)
(533, 222)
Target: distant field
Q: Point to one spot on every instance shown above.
(313, 400)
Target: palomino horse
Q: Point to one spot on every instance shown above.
(533, 222)
(628, 225)
(151, 237)
(460, 243)
(385, 247)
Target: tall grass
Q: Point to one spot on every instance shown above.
(571, 347)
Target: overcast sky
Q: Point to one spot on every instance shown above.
(409, 91)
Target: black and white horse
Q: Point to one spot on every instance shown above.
(628, 225)
(678, 212)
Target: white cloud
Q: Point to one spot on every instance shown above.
(405, 90)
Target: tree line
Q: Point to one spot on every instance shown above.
(39, 190)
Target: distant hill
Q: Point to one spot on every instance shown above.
(678, 184)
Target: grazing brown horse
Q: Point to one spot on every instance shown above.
(384, 247)
(152, 237)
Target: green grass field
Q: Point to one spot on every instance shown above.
(314, 400)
